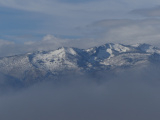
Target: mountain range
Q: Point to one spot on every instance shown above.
(26, 69)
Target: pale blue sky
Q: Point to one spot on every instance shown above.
(98, 21)
(37, 18)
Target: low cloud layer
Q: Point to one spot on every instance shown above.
(126, 96)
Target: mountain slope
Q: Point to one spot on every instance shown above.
(32, 67)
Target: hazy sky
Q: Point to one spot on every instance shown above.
(29, 22)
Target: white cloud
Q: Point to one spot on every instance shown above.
(126, 31)
(88, 10)
(49, 38)
(112, 31)
(5, 42)
(63, 17)
(48, 6)
(51, 7)
(60, 18)
(50, 42)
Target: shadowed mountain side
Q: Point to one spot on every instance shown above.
(31, 68)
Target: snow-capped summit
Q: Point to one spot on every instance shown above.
(146, 48)
(43, 64)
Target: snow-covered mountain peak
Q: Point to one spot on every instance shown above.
(143, 47)
(109, 50)
(105, 57)
(68, 50)
(120, 48)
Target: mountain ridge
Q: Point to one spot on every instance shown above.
(40, 65)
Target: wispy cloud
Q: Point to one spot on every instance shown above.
(5, 42)
(61, 17)
(125, 31)
(147, 12)
(48, 42)
(37, 18)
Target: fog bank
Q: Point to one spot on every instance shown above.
(131, 95)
